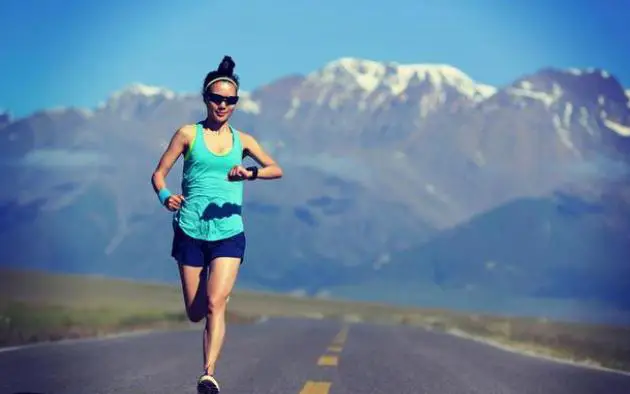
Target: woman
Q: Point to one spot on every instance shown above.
(207, 223)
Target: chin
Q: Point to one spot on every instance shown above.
(220, 119)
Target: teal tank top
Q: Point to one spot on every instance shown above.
(212, 206)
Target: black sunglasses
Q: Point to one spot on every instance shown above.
(218, 99)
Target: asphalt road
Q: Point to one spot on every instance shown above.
(293, 357)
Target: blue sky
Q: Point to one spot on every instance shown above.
(76, 53)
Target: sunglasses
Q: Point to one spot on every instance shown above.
(218, 99)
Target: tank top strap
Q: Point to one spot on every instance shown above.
(238, 146)
(198, 132)
(195, 142)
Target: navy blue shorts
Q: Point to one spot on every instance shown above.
(198, 253)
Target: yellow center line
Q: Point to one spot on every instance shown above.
(314, 387)
(328, 360)
(341, 337)
(311, 387)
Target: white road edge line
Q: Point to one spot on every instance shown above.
(127, 334)
(533, 354)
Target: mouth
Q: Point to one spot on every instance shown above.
(220, 113)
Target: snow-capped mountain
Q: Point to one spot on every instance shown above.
(369, 84)
(147, 91)
(439, 121)
(432, 118)
(396, 153)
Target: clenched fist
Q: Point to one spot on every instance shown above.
(174, 202)
(239, 173)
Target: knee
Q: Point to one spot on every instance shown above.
(217, 303)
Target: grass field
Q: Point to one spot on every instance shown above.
(55, 307)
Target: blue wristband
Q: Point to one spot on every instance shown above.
(163, 194)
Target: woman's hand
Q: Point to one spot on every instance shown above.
(174, 202)
(239, 173)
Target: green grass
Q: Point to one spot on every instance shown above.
(601, 345)
(23, 322)
(36, 306)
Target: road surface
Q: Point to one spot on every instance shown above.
(296, 357)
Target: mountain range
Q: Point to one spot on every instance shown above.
(404, 183)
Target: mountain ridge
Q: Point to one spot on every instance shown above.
(374, 171)
(489, 89)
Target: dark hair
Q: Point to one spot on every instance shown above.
(225, 69)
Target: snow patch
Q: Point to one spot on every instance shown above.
(563, 133)
(544, 97)
(368, 75)
(247, 104)
(62, 110)
(618, 128)
(584, 120)
(526, 90)
(486, 90)
(568, 111)
(138, 89)
(295, 105)
(527, 85)
(431, 102)
(601, 100)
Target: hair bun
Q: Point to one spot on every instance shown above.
(226, 66)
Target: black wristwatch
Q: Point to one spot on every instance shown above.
(254, 171)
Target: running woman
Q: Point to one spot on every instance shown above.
(209, 237)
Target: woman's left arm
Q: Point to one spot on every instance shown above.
(270, 169)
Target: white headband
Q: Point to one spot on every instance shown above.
(228, 79)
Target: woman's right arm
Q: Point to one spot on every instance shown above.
(176, 147)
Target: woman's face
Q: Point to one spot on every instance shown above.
(222, 100)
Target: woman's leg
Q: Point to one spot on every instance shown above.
(223, 273)
(193, 280)
(193, 275)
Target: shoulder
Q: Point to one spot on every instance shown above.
(186, 132)
(247, 140)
